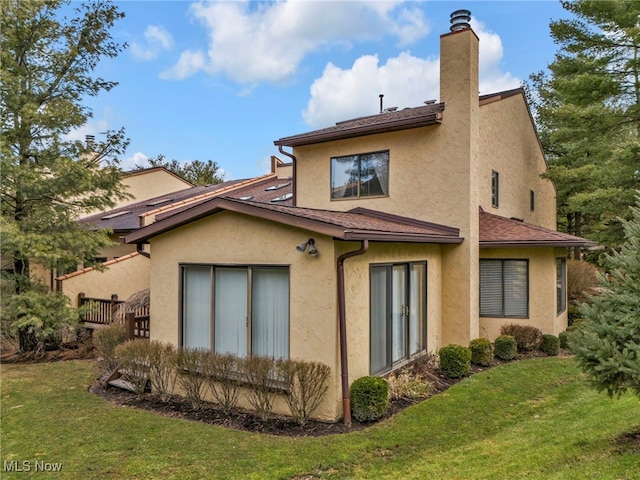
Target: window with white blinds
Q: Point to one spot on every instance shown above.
(238, 310)
(504, 288)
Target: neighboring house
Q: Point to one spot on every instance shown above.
(126, 270)
(419, 228)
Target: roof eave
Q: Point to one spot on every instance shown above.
(535, 243)
(403, 124)
(399, 237)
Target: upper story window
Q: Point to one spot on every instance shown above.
(364, 175)
(495, 188)
(532, 200)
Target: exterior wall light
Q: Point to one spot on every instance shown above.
(311, 243)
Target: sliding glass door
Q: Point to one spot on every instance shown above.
(398, 300)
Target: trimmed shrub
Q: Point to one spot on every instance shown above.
(306, 384)
(106, 340)
(550, 344)
(481, 351)
(505, 347)
(404, 384)
(162, 368)
(369, 398)
(563, 337)
(527, 337)
(133, 357)
(190, 378)
(455, 360)
(260, 374)
(223, 373)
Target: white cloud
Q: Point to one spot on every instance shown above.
(156, 40)
(255, 42)
(133, 161)
(93, 127)
(405, 80)
(188, 64)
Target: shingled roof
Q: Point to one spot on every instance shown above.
(380, 123)
(497, 231)
(358, 224)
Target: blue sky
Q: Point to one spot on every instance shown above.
(223, 80)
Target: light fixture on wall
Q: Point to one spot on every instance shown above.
(311, 243)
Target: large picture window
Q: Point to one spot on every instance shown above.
(364, 175)
(504, 288)
(238, 310)
(561, 284)
(398, 309)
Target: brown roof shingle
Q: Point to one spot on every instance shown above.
(359, 224)
(497, 231)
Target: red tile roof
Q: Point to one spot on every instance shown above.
(497, 231)
(359, 224)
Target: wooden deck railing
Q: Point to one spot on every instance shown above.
(106, 312)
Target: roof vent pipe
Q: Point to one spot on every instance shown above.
(381, 97)
(460, 20)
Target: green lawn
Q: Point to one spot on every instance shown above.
(532, 419)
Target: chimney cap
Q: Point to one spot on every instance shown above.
(460, 20)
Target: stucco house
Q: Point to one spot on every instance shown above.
(409, 230)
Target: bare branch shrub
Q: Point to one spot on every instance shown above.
(306, 386)
(162, 368)
(260, 373)
(190, 377)
(222, 373)
(527, 337)
(133, 357)
(106, 340)
(405, 384)
(581, 278)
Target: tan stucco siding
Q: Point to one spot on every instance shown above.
(150, 184)
(123, 278)
(542, 291)
(358, 295)
(234, 239)
(509, 146)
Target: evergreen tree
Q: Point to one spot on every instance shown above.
(197, 172)
(588, 114)
(47, 180)
(607, 344)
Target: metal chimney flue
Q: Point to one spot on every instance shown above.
(460, 20)
(381, 105)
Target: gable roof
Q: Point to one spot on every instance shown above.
(127, 218)
(379, 123)
(359, 224)
(144, 171)
(497, 231)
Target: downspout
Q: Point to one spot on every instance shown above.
(342, 320)
(141, 251)
(294, 161)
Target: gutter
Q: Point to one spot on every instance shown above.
(294, 161)
(342, 320)
(139, 249)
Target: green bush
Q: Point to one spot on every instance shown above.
(564, 339)
(549, 344)
(481, 352)
(455, 360)
(369, 398)
(106, 340)
(527, 337)
(506, 347)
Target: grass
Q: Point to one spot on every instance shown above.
(534, 419)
